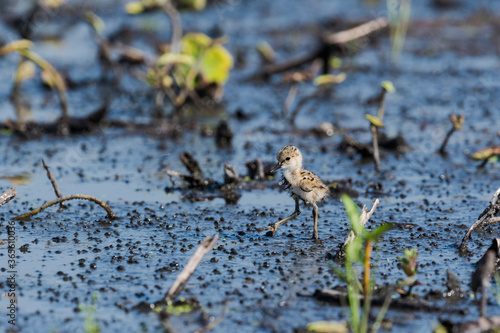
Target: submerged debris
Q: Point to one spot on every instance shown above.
(491, 212)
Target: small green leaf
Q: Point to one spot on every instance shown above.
(216, 64)
(134, 7)
(174, 58)
(327, 327)
(194, 44)
(378, 232)
(388, 86)
(354, 250)
(335, 62)
(191, 4)
(266, 50)
(375, 121)
(53, 4)
(486, 153)
(329, 78)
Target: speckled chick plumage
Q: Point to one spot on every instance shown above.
(300, 182)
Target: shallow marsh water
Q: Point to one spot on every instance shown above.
(449, 65)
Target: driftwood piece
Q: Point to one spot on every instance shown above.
(7, 196)
(490, 212)
(180, 282)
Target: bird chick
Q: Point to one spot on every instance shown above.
(301, 184)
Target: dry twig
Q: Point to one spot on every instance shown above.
(101, 203)
(490, 211)
(54, 184)
(181, 280)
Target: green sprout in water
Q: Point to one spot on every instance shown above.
(358, 253)
(26, 70)
(91, 324)
(409, 266)
(137, 7)
(193, 65)
(201, 63)
(376, 122)
(409, 262)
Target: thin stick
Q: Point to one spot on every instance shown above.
(7, 196)
(181, 280)
(101, 203)
(349, 35)
(489, 211)
(493, 220)
(442, 150)
(53, 182)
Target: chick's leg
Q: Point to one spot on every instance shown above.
(274, 226)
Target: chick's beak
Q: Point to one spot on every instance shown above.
(278, 166)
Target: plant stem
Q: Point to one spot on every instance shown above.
(58, 81)
(445, 141)
(368, 252)
(376, 153)
(367, 288)
(381, 107)
(352, 295)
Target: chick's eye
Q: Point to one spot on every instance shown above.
(288, 158)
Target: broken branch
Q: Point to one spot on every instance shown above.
(7, 196)
(101, 203)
